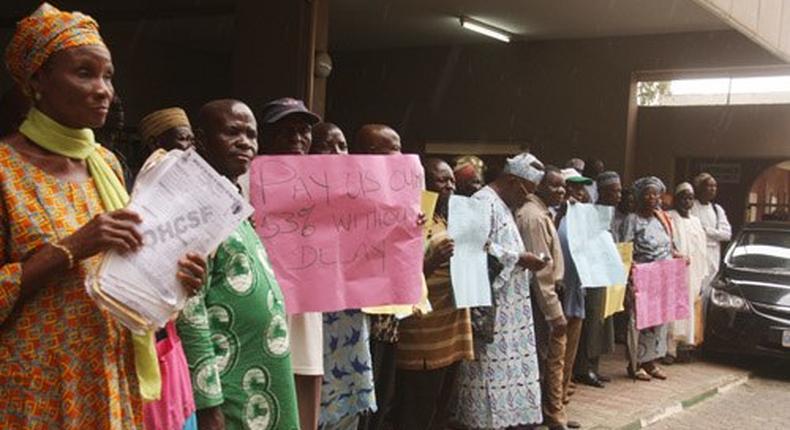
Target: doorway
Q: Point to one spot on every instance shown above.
(769, 196)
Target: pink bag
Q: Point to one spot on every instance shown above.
(176, 403)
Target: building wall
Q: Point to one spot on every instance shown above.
(566, 98)
(152, 75)
(675, 142)
(715, 132)
(765, 21)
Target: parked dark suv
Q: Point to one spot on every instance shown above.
(748, 307)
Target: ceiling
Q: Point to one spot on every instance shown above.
(366, 24)
(371, 24)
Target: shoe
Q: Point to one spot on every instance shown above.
(655, 371)
(603, 378)
(590, 379)
(639, 375)
(668, 360)
(558, 427)
(573, 424)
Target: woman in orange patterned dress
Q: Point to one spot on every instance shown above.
(64, 363)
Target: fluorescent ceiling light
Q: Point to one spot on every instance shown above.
(485, 29)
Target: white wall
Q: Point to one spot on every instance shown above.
(767, 22)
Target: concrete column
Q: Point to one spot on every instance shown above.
(273, 56)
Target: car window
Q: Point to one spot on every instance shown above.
(762, 250)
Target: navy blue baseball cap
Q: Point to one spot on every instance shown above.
(278, 109)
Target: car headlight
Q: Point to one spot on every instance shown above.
(724, 299)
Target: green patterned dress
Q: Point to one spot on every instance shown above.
(236, 339)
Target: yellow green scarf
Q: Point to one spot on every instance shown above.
(80, 144)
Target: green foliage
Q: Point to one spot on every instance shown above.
(650, 93)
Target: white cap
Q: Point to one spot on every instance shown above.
(525, 166)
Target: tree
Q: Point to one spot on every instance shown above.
(650, 93)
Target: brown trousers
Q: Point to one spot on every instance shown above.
(553, 370)
(551, 359)
(573, 334)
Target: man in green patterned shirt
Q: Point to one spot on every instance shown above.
(234, 332)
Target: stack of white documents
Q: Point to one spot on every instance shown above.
(185, 206)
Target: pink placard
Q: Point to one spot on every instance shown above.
(341, 231)
(661, 291)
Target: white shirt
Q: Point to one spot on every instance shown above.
(717, 229)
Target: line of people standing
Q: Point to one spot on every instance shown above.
(233, 358)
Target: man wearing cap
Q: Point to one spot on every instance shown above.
(500, 388)
(166, 129)
(286, 129)
(690, 240)
(714, 221)
(576, 191)
(468, 172)
(597, 336)
(573, 296)
(536, 225)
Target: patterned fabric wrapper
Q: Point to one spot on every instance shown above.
(43, 33)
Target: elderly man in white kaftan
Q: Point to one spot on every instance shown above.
(690, 241)
(713, 219)
(500, 388)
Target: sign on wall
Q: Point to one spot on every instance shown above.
(725, 173)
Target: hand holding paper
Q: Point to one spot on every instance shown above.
(184, 206)
(592, 246)
(468, 224)
(341, 231)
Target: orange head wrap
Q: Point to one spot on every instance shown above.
(43, 33)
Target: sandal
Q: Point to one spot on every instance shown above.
(654, 371)
(657, 373)
(639, 375)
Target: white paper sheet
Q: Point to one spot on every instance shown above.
(469, 222)
(592, 246)
(185, 206)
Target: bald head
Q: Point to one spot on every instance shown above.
(377, 139)
(212, 113)
(227, 136)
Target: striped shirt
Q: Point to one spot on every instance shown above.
(443, 336)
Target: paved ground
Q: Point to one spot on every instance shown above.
(761, 403)
(624, 401)
(711, 393)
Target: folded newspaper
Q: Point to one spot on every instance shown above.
(185, 206)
